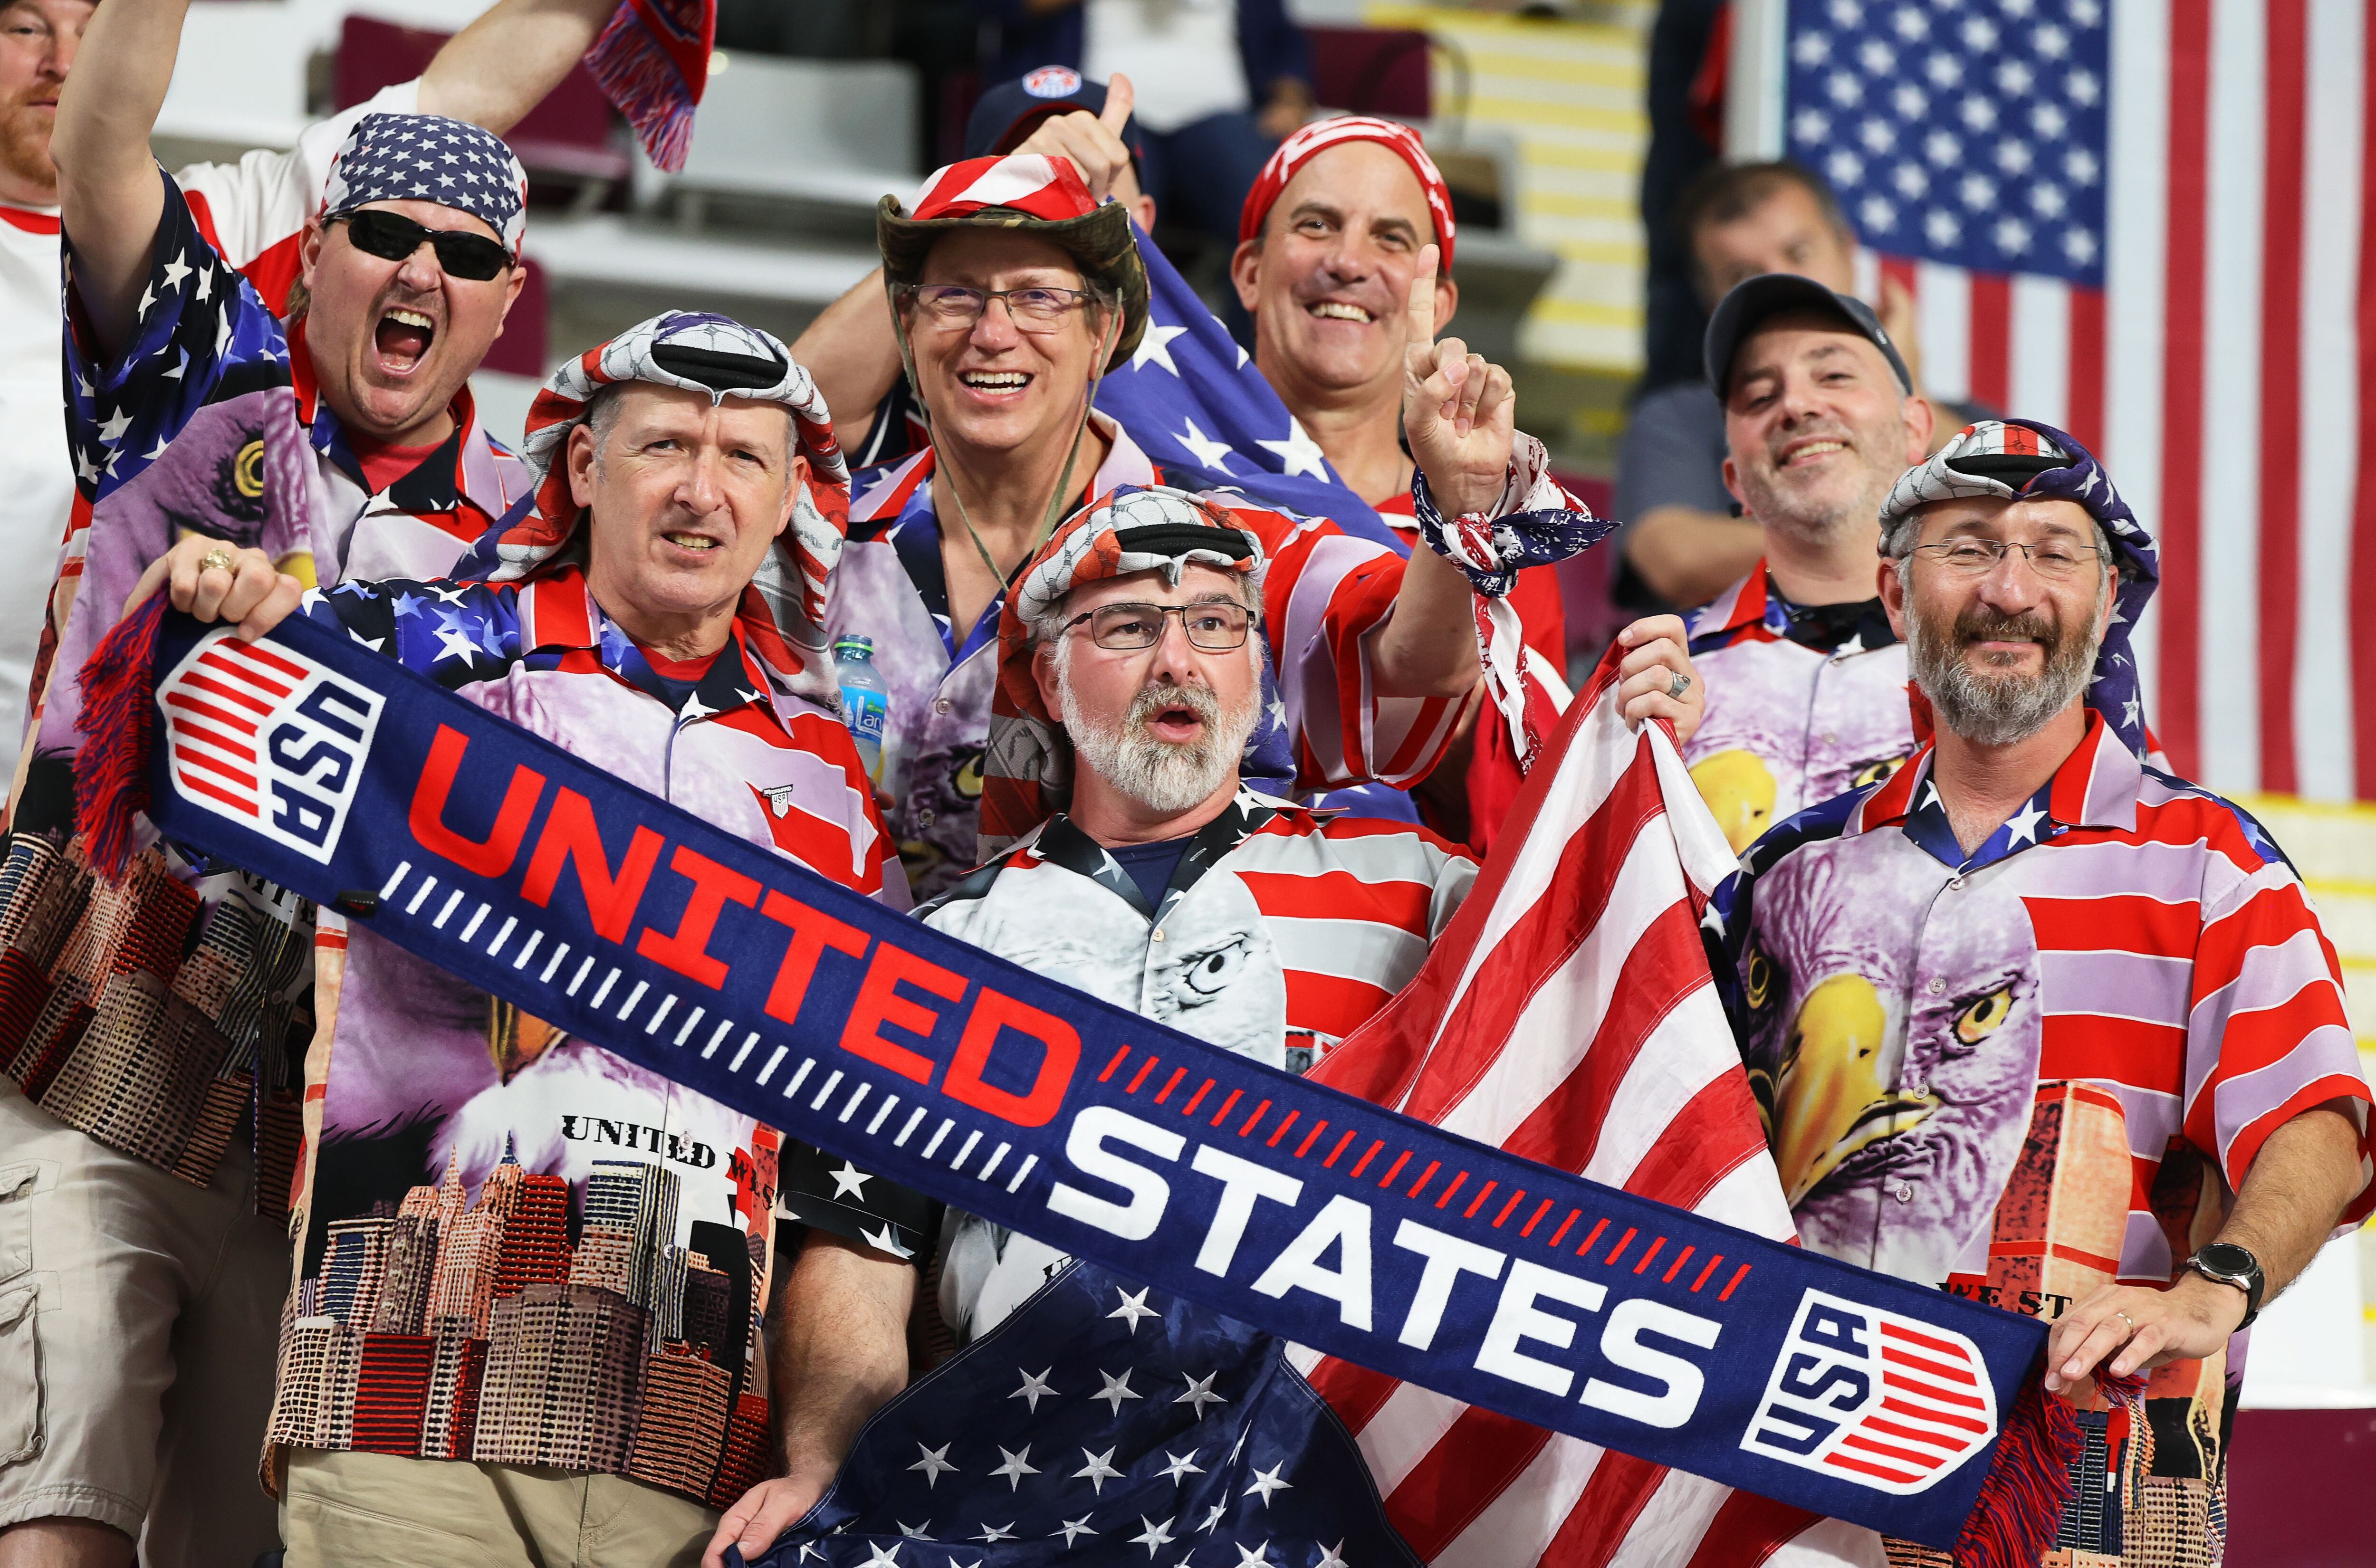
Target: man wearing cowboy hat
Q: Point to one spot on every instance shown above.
(2032, 1020)
(1012, 292)
(626, 628)
(1144, 867)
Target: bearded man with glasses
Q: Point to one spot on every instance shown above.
(1011, 291)
(2035, 1021)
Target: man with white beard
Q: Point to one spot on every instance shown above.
(1130, 675)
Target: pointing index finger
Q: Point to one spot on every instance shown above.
(1421, 310)
(1119, 97)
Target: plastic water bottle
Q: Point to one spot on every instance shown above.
(865, 699)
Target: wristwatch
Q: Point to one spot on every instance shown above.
(2225, 1262)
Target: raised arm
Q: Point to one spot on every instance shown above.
(495, 70)
(851, 352)
(109, 191)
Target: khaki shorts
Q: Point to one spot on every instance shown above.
(138, 1319)
(374, 1511)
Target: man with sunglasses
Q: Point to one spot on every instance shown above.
(253, 211)
(1147, 870)
(2033, 1020)
(1011, 291)
(344, 443)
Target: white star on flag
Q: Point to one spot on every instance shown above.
(1267, 1481)
(1255, 1557)
(1330, 1556)
(1180, 1467)
(1016, 1466)
(992, 1534)
(1212, 1519)
(1098, 1470)
(1118, 1389)
(1133, 1308)
(694, 708)
(1079, 1527)
(1299, 453)
(2025, 824)
(113, 430)
(1200, 1392)
(175, 271)
(933, 1462)
(1155, 348)
(1153, 1535)
(914, 1532)
(850, 1180)
(886, 1240)
(1205, 451)
(882, 1557)
(1035, 1385)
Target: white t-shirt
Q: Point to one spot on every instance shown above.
(1181, 55)
(256, 211)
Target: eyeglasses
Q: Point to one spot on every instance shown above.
(1215, 627)
(1977, 557)
(1031, 309)
(391, 236)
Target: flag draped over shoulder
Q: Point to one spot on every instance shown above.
(1567, 1016)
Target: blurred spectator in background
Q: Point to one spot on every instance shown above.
(1683, 537)
(1220, 83)
(1806, 678)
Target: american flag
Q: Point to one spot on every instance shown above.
(215, 706)
(2147, 222)
(1567, 1016)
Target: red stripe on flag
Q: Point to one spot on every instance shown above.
(2361, 650)
(2178, 670)
(1992, 339)
(1471, 1464)
(1620, 1486)
(1748, 1529)
(2285, 157)
(1710, 1138)
(2088, 346)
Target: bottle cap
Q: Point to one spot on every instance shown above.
(863, 646)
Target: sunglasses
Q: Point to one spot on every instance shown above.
(391, 236)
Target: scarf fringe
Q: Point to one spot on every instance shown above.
(647, 80)
(2013, 1520)
(119, 684)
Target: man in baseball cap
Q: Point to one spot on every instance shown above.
(1805, 675)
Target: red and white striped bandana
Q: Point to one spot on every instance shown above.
(1318, 137)
(1032, 183)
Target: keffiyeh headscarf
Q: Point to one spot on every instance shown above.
(720, 358)
(430, 158)
(1027, 771)
(2027, 460)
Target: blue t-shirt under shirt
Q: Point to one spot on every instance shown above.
(1151, 865)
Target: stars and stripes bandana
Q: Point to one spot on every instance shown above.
(1026, 769)
(2000, 458)
(430, 158)
(1322, 135)
(716, 356)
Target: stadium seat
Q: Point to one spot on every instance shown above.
(808, 133)
(1371, 70)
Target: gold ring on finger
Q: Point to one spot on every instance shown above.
(2125, 1318)
(217, 560)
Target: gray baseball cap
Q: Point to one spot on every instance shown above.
(1770, 294)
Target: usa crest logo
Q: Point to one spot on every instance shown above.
(268, 739)
(1867, 1396)
(1052, 81)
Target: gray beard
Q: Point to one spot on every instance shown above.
(2000, 710)
(1162, 776)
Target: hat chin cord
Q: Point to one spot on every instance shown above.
(1053, 513)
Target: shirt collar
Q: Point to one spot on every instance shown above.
(1757, 601)
(1061, 843)
(735, 678)
(2095, 787)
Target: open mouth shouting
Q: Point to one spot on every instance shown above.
(401, 340)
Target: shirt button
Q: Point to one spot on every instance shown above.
(924, 818)
(1938, 987)
(1159, 934)
(940, 704)
(1902, 1190)
(1830, 739)
(1956, 883)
